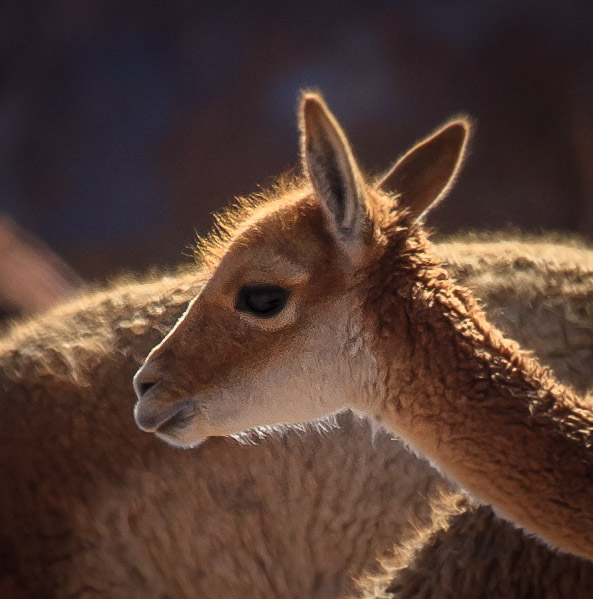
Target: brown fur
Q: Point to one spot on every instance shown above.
(115, 513)
(373, 321)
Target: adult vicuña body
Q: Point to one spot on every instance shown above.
(90, 502)
(329, 296)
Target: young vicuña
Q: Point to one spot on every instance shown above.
(328, 295)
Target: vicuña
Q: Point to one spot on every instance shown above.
(326, 295)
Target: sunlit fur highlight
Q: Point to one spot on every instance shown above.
(231, 220)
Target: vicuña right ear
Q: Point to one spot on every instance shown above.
(424, 175)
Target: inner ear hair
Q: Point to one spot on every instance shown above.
(331, 167)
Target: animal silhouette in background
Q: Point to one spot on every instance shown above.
(328, 295)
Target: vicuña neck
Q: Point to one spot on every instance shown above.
(482, 410)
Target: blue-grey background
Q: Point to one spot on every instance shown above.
(123, 125)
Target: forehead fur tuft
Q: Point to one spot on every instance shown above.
(234, 219)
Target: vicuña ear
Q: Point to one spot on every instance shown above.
(424, 175)
(330, 165)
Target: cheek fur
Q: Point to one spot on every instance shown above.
(310, 378)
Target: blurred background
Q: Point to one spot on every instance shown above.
(123, 125)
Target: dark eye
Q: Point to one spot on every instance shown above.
(262, 300)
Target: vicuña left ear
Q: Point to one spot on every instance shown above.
(330, 165)
(424, 175)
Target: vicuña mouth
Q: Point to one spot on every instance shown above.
(180, 419)
(153, 418)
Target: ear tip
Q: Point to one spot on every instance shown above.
(459, 129)
(312, 102)
(309, 94)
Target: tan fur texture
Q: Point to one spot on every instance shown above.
(92, 507)
(376, 323)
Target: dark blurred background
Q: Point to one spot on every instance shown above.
(123, 125)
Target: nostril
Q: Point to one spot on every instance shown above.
(147, 377)
(145, 387)
(143, 382)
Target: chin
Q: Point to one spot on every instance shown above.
(183, 439)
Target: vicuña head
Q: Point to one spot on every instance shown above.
(278, 333)
(326, 295)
